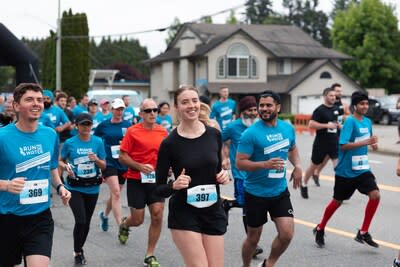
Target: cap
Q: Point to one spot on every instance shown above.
(117, 103)
(92, 102)
(83, 117)
(104, 101)
(247, 102)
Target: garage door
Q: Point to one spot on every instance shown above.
(307, 104)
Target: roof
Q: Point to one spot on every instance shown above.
(282, 41)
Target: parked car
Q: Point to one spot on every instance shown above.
(383, 110)
(134, 96)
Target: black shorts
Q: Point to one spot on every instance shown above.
(345, 187)
(257, 208)
(110, 171)
(320, 151)
(24, 236)
(139, 195)
(210, 221)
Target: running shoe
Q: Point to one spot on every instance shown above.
(319, 237)
(123, 233)
(316, 179)
(304, 191)
(263, 263)
(366, 238)
(80, 259)
(151, 261)
(396, 263)
(104, 221)
(258, 251)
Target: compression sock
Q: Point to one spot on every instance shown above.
(370, 210)
(329, 211)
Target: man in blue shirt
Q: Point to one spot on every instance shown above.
(53, 116)
(353, 171)
(263, 151)
(129, 112)
(223, 110)
(82, 106)
(29, 165)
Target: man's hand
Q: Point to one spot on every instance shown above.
(296, 176)
(16, 185)
(275, 164)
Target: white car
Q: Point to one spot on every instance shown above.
(135, 97)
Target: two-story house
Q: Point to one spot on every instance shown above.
(249, 59)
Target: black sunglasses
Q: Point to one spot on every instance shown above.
(149, 110)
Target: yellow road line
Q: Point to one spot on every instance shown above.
(347, 234)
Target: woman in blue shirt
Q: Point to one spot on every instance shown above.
(163, 118)
(82, 157)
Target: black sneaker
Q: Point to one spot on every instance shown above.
(304, 191)
(396, 263)
(316, 179)
(319, 237)
(366, 238)
(80, 259)
(258, 251)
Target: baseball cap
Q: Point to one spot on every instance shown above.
(83, 117)
(93, 102)
(117, 103)
(104, 101)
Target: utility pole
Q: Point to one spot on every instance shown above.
(58, 50)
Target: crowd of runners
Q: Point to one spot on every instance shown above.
(74, 148)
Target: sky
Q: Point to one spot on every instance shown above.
(35, 18)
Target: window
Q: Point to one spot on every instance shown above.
(237, 63)
(325, 75)
(284, 66)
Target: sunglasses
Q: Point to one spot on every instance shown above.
(149, 110)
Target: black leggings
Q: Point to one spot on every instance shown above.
(82, 206)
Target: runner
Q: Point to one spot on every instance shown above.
(231, 134)
(29, 164)
(193, 150)
(82, 106)
(139, 150)
(163, 118)
(353, 171)
(396, 261)
(112, 131)
(129, 112)
(263, 151)
(52, 115)
(223, 110)
(82, 157)
(325, 120)
(95, 114)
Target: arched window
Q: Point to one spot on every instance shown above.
(325, 75)
(238, 60)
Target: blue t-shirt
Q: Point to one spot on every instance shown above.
(129, 114)
(31, 155)
(78, 109)
(53, 117)
(261, 143)
(165, 121)
(106, 117)
(112, 133)
(223, 112)
(97, 119)
(353, 162)
(233, 131)
(75, 151)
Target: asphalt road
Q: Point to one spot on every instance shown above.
(103, 248)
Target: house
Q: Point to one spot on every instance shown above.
(249, 59)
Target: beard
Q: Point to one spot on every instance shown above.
(272, 117)
(248, 121)
(47, 104)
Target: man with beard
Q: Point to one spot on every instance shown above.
(263, 151)
(353, 171)
(53, 116)
(231, 134)
(325, 120)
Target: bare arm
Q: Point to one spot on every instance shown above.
(373, 141)
(243, 162)
(65, 195)
(297, 173)
(125, 159)
(318, 126)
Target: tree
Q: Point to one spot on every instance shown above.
(232, 18)
(369, 33)
(173, 30)
(258, 10)
(48, 65)
(341, 5)
(206, 19)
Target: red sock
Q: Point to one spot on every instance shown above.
(329, 211)
(370, 210)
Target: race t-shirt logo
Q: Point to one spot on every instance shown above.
(31, 150)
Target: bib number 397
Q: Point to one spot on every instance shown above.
(202, 196)
(35, 192)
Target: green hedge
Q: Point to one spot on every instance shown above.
(287, 116)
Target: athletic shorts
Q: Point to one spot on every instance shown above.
(345, 187)
(24, 236)
(320, 151)
(210, 221)
(110, 171)
(239, 191)
(257, 208)
(139, 195)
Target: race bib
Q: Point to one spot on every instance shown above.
(115, 151)
(36, 191)
(148, 178)
(359, 163)
(202, 196)
(86, 170)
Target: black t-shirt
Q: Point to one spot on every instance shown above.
(200, 157)
(325, 114)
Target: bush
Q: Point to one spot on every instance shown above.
(287, 116)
